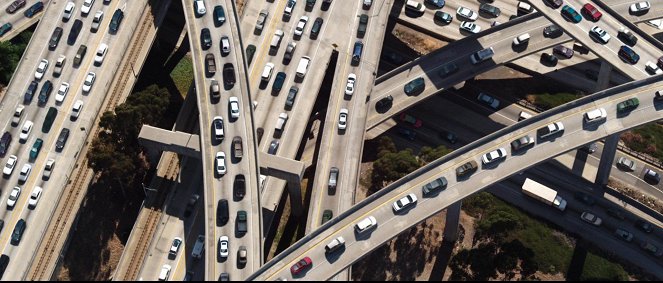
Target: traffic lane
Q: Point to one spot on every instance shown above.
(622, 8)
(18, 19)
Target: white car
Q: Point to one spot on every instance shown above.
(35, 196)
(101, 54)
(470, 27)
(494, 155)
(165, 272)
(299, 29)
(87, 5)
(595, 115)
(25, 131)
(223, 246)
(343, 119)
(18, 113)
(220, 163)
(96, 21)
(467, 13)
(89, 81)
(599, 34)
(199, 7)
(233, 102)
(350, 86)
(62, 92)
(404, 202)
(13, 197)
(640, 7)
(175, 247)
(9, 166)
(267, 71)
(365, 224)
(652, 68)
(76, 109)
(225, 45)
(218, 127)
(68, 11)
(48, 169)
(25, 172)
(41, 69)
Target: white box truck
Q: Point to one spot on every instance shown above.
(543, 194)
(303, 66)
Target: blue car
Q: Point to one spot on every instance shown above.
(628, 55)
(437, 3)
(570, 14)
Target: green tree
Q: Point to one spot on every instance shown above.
(393, 166)
(385, 145)
(11, 54)
(498, 223)
(428, 154)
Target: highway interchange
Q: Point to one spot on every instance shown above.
(260, 106)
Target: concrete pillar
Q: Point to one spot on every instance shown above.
(603, 81)
(295, 192)
(607, 158)
(451, 225)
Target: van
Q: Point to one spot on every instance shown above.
(18, 232)
(55, 38)
(315, 30)
(356, 53)
(222, 214)
(524, 115)
(5, 141)
(62, 139)
(74, 31)
(335, 245)
(333, 179)
(79, 55)
(45, 93)
(48, 120)
(276, 41)
(280, 123)
(521, 39)
(303, 66)
(198, 247)
(116, 21)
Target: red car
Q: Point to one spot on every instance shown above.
(301, 265)
(591, 12)
(410, 119)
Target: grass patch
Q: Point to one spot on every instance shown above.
(549, 101)
(182, 75)
(598, 268)
(646, 139)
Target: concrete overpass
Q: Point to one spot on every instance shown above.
(18, 20)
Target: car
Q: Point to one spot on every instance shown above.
(570, 14)
(14, 6)
(87, 5)
(563, 51)
(62, 92)
(115, 22)
(639, 7)
(302, 264)
(45, 93)
(62, 139)
(215, 89)
(488, 100)
(48, 169)
(627, 37)
(55, 37)
(273, 146)
(78, 58)
(552, 31)
(89, 81)
(9, 166)
(628, 55)
(652, 68)
(30, 92)
(290, 99)
(624, 234)
(554, 3)
(101, 54)
(299, 29)
(522, 39)
(467, 13)
(414, 87)
(384, 103)
(205, 39)
(5, 141)
(599, 34)
(447, 69)
(18, 113)
(367, 4)
(229, 75)
(343, 119)
(523, 116)
(219, 15)
(493, 156)
(550, 129)
(409, 134)
(415, 122)
(174, 247)
(199, 8)
(365, 224)
(449, 136)
(548, 59)
(584, 198)
(191, 204)
(267, 72)
(34, 9)
(652, 177)
(405, 202)
(41, 69)
(651, 248)
(350, 85)
(470, 27)
(414, 6)
(434, 186)
(13, 197)
(96, 21)
(595, 115)
(76, 109)
(443, 17)
(260, 22)
(482, 55)
(242, 255)
(289, 7)
(521, 143)
(438, 4)
(289, 51)
(466, 169)
(645, 226)
(59, 65)
(524, 8)
(489, 9)
(220, 163)
(217, 122)
(68, 11)
(35, 196)
(589, 148)
(591, 12)
(326, 216)
(626, 164)
(225, 45)
(223, 247)
(165, 272)
(628, 105)
(591, 218)
(616, 213)
(25, 131)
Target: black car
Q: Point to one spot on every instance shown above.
(205, 39)
(190, 205)
(18, 232)
(552, 31)
(229, 75)
(554, 3)
(489, 9)
(628, 55)
(34, 9)
(278, 82)
(116, 21)
(45, 92)
(74, 31)
(273, 146)
(239, 186)
(290, 100)
(4, 261)
(644, 225)
(466, 169)
(30, 92)
(627, 37)
(62, 140)
(55, 38)
(14, 6)
(407, 133)
(548, 59)
(384, 104)
(442, 17)
(584, 198)
(326, 216)
(315, 30)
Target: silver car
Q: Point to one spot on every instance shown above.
(626, 164)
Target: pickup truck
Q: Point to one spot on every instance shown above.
(237, 147)
(241, 222)
(59, 65)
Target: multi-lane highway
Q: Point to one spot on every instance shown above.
(22, 17)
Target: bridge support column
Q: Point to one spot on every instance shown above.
(607, 158)
(295, 193)
(451, 225)
(603, 81)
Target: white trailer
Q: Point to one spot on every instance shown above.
(543, 194)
